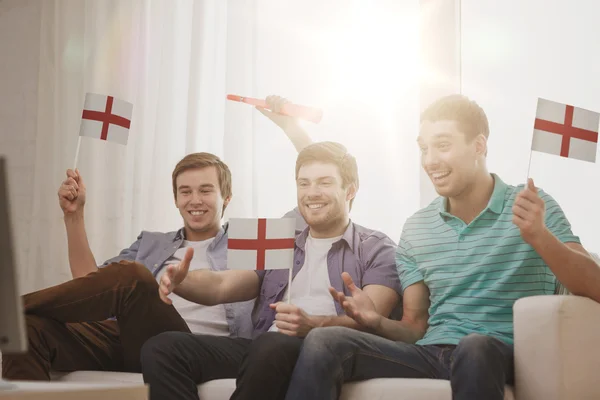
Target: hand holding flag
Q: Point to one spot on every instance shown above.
(71, 193)
(529, 213)
(174, 275)
(292, 320)
(359, 307)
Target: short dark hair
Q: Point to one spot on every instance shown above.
(470, 117)
(331, 153)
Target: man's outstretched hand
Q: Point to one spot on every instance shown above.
(359, 306)
(174, 275)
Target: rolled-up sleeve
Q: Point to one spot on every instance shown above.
(556, 221)
(261, 277)
(407, 268)
(129, 253)
(380, 265)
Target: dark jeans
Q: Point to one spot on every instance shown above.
(175, 363)
(478, 368)
(68, 328)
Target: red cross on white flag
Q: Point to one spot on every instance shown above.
(261, 243)
(566, 131)
(106, 118)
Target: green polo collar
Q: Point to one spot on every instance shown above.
(496, 203)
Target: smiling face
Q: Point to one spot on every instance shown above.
(451, 160)
(200, 203)
(323, 200)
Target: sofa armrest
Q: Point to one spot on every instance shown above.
(557, 348)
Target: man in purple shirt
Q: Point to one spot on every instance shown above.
(173, 363)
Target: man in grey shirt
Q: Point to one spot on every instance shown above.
(173, 363)
(69, 326)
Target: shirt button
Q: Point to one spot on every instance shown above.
(155, 265)
(281, 285)
(297, 262)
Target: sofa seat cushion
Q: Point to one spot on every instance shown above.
(380, 389)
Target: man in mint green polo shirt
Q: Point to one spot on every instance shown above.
(463, 261)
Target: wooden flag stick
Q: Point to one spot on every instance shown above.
(77, 153)
(529, 167)
(289, 291)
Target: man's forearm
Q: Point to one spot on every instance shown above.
(200, 287)
(390, 329)
(398, 331)
(218, 287)
(298, 136)
(343, 320)
(577, 271)
(81, 258)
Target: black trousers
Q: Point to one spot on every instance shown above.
(174, 363)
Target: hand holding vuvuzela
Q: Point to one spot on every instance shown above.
(273, 111)
(289, 109)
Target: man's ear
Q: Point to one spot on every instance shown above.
(225, 204)
(351, 191)
(481, 145)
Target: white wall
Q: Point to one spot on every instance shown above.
(516, 51)
(440, 65)
(358, 61)
(20, 49)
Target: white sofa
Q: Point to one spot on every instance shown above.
(557, 357)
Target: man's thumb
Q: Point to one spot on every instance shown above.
(531, 185)
(187, 259)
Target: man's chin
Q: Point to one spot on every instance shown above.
(444, 191)
(316, 221)
(198, 226)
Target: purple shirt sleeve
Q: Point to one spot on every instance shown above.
(380, 263)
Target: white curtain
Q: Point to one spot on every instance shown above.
(175, 60)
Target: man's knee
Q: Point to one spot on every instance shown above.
(475, 346)
(130, 273)
(319, 340)
(159, 349)
(273, 341)
(37, 349)
(274, 347)
(36, 327)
